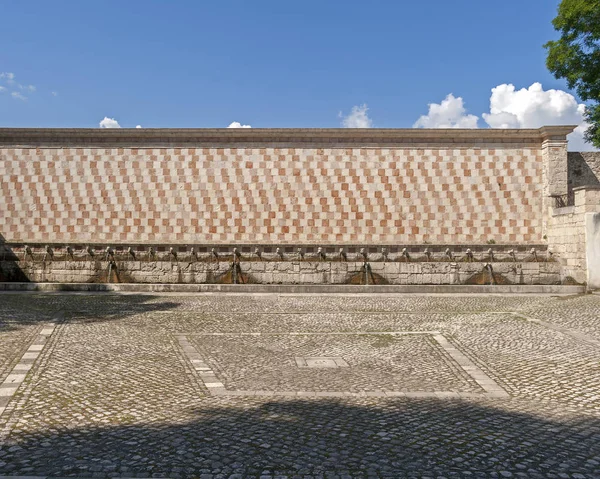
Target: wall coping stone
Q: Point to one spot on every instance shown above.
(587, 187)
(146, 137)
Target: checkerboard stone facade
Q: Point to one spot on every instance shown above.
(269, 193)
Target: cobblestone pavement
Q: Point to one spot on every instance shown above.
(377, 362)
(114, 391)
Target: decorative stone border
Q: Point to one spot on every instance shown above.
(578, 335)
(206, 374)
(321, 362)
(217, 388)
(16, 377)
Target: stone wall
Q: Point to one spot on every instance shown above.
(584, 169)
(284, 272)
(567, 232)
(278, 186)
(298, 264)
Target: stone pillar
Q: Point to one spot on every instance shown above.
(555, 168)
(592, 245)
(554, 153)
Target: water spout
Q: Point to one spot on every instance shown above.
(489, 268)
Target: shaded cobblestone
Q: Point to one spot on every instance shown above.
(15, 340)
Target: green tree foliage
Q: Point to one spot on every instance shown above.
(576, 56)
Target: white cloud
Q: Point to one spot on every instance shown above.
(511, 108)
(109, 123)
(18, 96)
(8, 76)
(358, 117)
(138, 126)
(54, 93)
(27, 87)
(2, 88)
(450, 113)
(534, 107)
(237, 124)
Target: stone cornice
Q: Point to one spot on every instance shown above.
(239, 137)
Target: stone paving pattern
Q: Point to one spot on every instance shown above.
(113, 394)
(378, 362)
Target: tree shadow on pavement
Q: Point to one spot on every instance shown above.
(30, 308)
(253, 437)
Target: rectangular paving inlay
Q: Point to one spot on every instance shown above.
(393, 363)
(321, 362)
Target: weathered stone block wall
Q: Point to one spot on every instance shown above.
(285, 272)
(584, 169)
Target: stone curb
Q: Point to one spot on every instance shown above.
(290, 288)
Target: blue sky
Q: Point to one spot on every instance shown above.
(271, 63)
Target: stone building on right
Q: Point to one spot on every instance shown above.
(574, 216)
